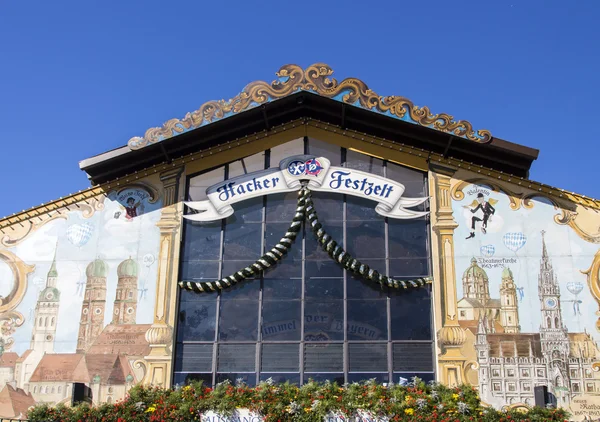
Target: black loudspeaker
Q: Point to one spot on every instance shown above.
(81, 394)
(541, 395)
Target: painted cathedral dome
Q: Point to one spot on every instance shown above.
(507, 273)
(475, 270)
(127, 268)
(97, 268)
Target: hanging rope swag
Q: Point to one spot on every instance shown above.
(304, 210)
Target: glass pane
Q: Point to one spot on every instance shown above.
(359, 287)
(413, 180)
(230, 267)
(242, 240)
(368, 357)
(366, 239)
(324, 288)
(322, 377)
(356, 160)
(183, 378)
(281, 320)
(238, 320)
(407, 268)
(280, 357)
(408, 238)
(323, 321)
(190, 296)
(202, 241)
(367, 320)
(278, 153)
(361, 209)
(361, 377)
(323, 269)
(196, 321)
(236, 358)
(281, 207)
(247, 165)
(329, 206)
(199, 270)
(278, 378)
(412, 305)
(413, 356)
(314, 249)
(245, 290)
(278, 289)
(248, 378)
(193, 357)
(286, 268)
(324, 149)
(274, 232)
(198, 184)
(325, 357)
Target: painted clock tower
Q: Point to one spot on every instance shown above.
(554, 338)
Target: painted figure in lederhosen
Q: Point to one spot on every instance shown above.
(131, 209)
(486, 208)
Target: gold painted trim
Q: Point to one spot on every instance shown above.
(315, 78)
(593, 279)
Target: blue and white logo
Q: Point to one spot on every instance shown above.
(296, 168)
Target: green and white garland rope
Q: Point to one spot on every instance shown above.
(305, 209)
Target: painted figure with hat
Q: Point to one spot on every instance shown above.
(486, 208)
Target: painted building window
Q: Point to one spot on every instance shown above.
(525, 373)
(589, 387)
(306, 318)
(497, 386)
(510, 372)
(496, 373)
(512, 387)
(575, 387)
(574, 373)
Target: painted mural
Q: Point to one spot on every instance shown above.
(77, 297)
(522, 297)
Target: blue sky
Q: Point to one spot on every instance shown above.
(81, 78)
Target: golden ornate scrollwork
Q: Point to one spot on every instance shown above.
(315, 78)
(517, 200)
(14, 234)
(593, 279)
(10, 319)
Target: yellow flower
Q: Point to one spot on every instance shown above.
(409, 411)
(455, 396)
(151, 409)
(187, 388)
(307, 409)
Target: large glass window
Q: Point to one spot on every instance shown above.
(306, 317)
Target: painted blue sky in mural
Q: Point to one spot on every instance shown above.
(85, 77)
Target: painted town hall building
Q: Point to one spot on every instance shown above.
(307, 228)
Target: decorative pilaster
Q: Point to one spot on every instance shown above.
(160, 334)
(450, 336)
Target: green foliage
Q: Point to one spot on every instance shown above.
(287, 402)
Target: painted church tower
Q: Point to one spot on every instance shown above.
(94, 304)
(46, 314)
(476, 283)
(509, 312)
(554, 338)
(125, 308)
